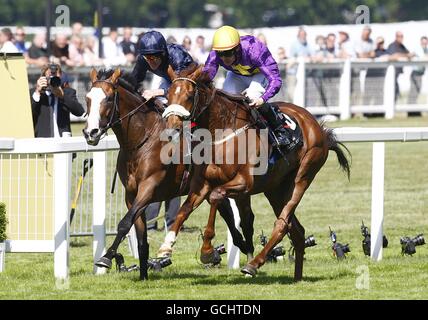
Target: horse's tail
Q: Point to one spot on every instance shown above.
(337, 146)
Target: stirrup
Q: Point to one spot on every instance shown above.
(283, 139)
(279, 148)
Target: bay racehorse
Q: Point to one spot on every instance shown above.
(113, 102)
(283, 183)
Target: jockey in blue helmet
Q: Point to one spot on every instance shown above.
(156, 55)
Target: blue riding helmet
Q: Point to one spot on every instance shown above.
(152, 42)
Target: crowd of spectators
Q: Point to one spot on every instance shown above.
(77, 49)
(331, 47)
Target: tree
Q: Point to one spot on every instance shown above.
(191, 13)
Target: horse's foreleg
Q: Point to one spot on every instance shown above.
(218, 195)
(140, 202)
(226, 213)
(297, 234)
(192, 201)
(143, 245)
(208, 254)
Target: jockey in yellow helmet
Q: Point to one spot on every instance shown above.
(251, 70)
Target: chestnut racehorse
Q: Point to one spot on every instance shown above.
(284, 183)
(113, 102)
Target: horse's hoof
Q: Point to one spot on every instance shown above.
(144, 276)
(212, 258)
(104, 262)
(250, 257)
(249, 270)
(164, 253)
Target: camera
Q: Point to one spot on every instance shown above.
(120, 263)
(158, 264)
(366, 241)
(310, 241)
(339, 250)
(275, 252)
(408, 245)
(53, 80)
(220, 249)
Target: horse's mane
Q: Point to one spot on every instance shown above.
(206, 84)
(189, 70)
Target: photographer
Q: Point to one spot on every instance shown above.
(52, 101)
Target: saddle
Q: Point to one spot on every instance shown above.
(232, 96)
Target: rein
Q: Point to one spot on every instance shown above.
(192, 116)
(112, 123)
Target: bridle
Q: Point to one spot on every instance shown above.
(192, 114)
(112, 123)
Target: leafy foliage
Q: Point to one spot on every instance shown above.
(193, 13)
(3, 222)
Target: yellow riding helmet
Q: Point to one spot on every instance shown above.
(225, 38)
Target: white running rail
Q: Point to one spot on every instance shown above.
(62, 149)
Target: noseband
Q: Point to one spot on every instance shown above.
(110, 124)
(179, 110)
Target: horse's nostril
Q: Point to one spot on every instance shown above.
(94, 132)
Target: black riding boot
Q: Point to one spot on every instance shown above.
(275, 120)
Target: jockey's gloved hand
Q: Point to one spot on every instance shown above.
(256, 102)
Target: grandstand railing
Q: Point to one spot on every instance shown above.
(346, 88)
(63, 148)
(343, 88)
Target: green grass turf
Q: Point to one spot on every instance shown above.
(330, 201)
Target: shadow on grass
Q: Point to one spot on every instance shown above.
(261, 279)
(227, 279)
(78, 244)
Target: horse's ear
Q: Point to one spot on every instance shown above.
(93, 75)
(200, 76)
(172, 75)
(115, 75)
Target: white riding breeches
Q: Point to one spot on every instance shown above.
(160, 83)
(254, 85)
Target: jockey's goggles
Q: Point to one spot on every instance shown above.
(152, 57)
(226, 53)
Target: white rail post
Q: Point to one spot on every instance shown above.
(378, 175)
(299, 91)
(132, 242)
(232, 250)
(345, 91)
(99, 208)
(62, 190)
(389, 92)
